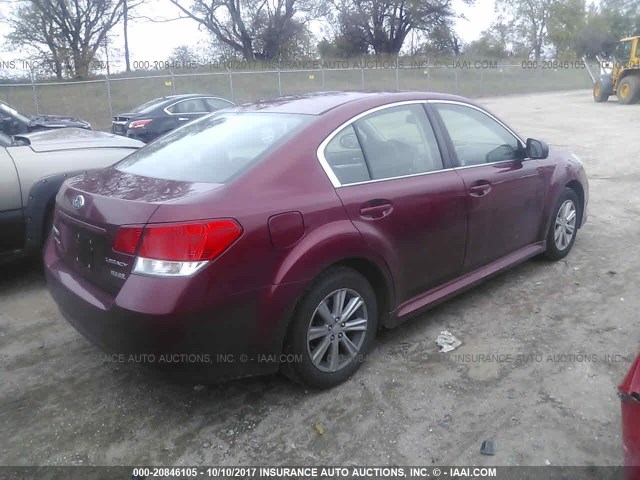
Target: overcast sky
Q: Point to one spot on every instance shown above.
(151, 41)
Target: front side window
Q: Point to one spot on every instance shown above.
(214, 148)
(477, 138)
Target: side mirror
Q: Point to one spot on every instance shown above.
(536, 149)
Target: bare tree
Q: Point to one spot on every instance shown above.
(40, 34)
(387, 23)
(72, 30)
(257, 29)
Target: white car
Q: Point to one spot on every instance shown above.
(32, 169)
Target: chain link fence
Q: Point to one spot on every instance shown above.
(98, 100)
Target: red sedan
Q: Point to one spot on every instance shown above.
(286, 233)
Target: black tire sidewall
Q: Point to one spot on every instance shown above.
(305, 371)
(634, 90)
(552, 252)
(602, 97)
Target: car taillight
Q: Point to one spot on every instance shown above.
(127, 239)
(176, 249)
(139, 123)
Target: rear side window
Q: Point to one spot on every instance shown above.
(344, 156)
(214, 104)
(398, 141)
(390, 143)
(193, 105)
(215, 148)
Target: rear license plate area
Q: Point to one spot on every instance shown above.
(89, 249)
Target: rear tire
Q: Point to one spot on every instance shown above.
(599, 92)
(326, 350)
(629, 90)
(564, 225)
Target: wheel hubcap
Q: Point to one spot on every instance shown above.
(337, 330)
(565, 226)
(624, 91)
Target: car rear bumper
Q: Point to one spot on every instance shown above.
(240, 336)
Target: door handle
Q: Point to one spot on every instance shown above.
(183, 119)
(480, 190)
(376, 211)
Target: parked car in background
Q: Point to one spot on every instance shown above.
(32, 168)
(13, 122)
(161, 115)
(302, 225)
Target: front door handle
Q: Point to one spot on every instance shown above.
(376, 211)
(480, 190)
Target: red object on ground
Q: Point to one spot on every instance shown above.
(629, 391)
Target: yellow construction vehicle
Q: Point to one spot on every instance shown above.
(620, 75)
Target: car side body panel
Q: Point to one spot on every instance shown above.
(10, 194)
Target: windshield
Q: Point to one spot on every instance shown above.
(623, 51)
(214, 148)
(7, 110)
(5, 140)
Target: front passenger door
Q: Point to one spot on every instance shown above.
(505, 191)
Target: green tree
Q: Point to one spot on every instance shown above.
(531, 20)
(566, 22)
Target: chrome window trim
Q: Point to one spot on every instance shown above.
(327, 168)
(334, 179)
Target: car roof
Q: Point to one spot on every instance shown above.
(319, 103)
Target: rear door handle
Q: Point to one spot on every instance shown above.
(376, 211)
(480, 190)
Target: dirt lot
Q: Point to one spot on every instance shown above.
(574, 323)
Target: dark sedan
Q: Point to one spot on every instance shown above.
(161, 115)
(286, 233)
(14, 122)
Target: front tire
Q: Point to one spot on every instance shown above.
(564, 225)
(599, 92)
(333, 327)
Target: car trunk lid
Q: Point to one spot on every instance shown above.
(91, 208)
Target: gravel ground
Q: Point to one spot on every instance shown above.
(561, 335)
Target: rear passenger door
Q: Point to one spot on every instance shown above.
(185, 111)
(399, 194)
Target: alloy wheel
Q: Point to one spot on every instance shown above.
(337, 330)
(565, 225)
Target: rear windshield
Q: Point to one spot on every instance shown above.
(214, 148)
(150, 105)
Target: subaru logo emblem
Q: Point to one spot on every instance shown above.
(78, 202)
